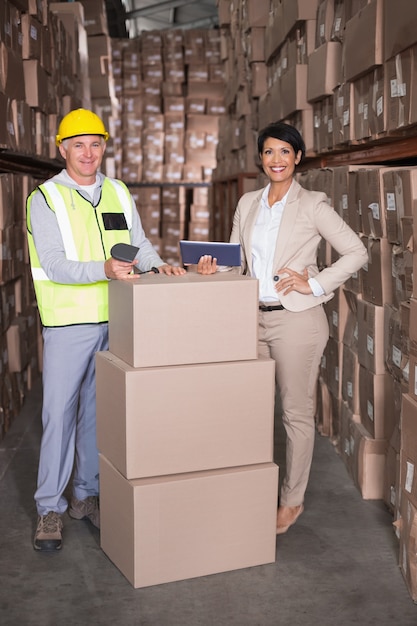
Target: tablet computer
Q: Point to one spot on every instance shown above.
(225, 253)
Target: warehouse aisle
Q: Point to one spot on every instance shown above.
(337, 566)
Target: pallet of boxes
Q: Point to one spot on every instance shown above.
(185, 417)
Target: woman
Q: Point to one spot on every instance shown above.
(279, 229)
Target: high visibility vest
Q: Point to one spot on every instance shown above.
(88, 234)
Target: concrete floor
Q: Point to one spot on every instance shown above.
(336, 567)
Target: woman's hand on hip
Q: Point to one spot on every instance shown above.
(292, 281)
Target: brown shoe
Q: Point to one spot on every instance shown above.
(287, 516)
(48, 535)
(86, 509)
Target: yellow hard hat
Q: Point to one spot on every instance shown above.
(80, 122)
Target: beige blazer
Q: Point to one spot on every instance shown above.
(307, 218)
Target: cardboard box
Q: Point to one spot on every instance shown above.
(363, 40)
(95, 17)
(369, 111)
(399, 26)
(376, 400)
(323, 124)
(294, 90)
(337, 312)
(350, 335)
(373, 201)
(158, 530)
(402, 266)
(376, 275)
(324, 70)
(412, 370)
(343, 114)
(345, 199)
(12, 82)
(199, 230)
(371, 336)
(360, 109)
(400, 77)
(295, 11)
(408, 452)
(392, 480)
(17, 345)
(6, 201)
(400, 193)
(412, 334)
(160, 320)
(325, 21)
(8, 132)
(354, 217)
(396, 345)
(206, 417)
(274, 30)
(36, 84)
(350, 379)
(31, 37)
(255, 12)
(393, 190)
(365, 460)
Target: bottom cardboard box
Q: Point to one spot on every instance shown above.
(163, 529)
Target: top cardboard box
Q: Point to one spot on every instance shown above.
(158, 320)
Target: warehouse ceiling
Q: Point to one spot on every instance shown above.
(128, 18)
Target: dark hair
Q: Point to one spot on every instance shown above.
(284, 132)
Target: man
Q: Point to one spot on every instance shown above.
(73, 221)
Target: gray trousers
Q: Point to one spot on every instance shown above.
(68, 443)
(296, 342)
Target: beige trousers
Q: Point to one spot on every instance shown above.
(296, 342)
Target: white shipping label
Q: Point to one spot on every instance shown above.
(374, 206)
(391, 202)
(409, 477)
(396, 356)
(349, 390)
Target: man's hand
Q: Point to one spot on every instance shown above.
(171, 270)
(119, 270)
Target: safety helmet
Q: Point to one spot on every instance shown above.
(80, 122)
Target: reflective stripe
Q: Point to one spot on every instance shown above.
(39, 274)
(124, 201)
(63, 221)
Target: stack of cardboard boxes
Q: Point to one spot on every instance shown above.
(19, 319)
(341, 72)
(170, 88)
(367, 378)
(185, 414)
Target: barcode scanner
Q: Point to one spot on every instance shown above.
(126, 252)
